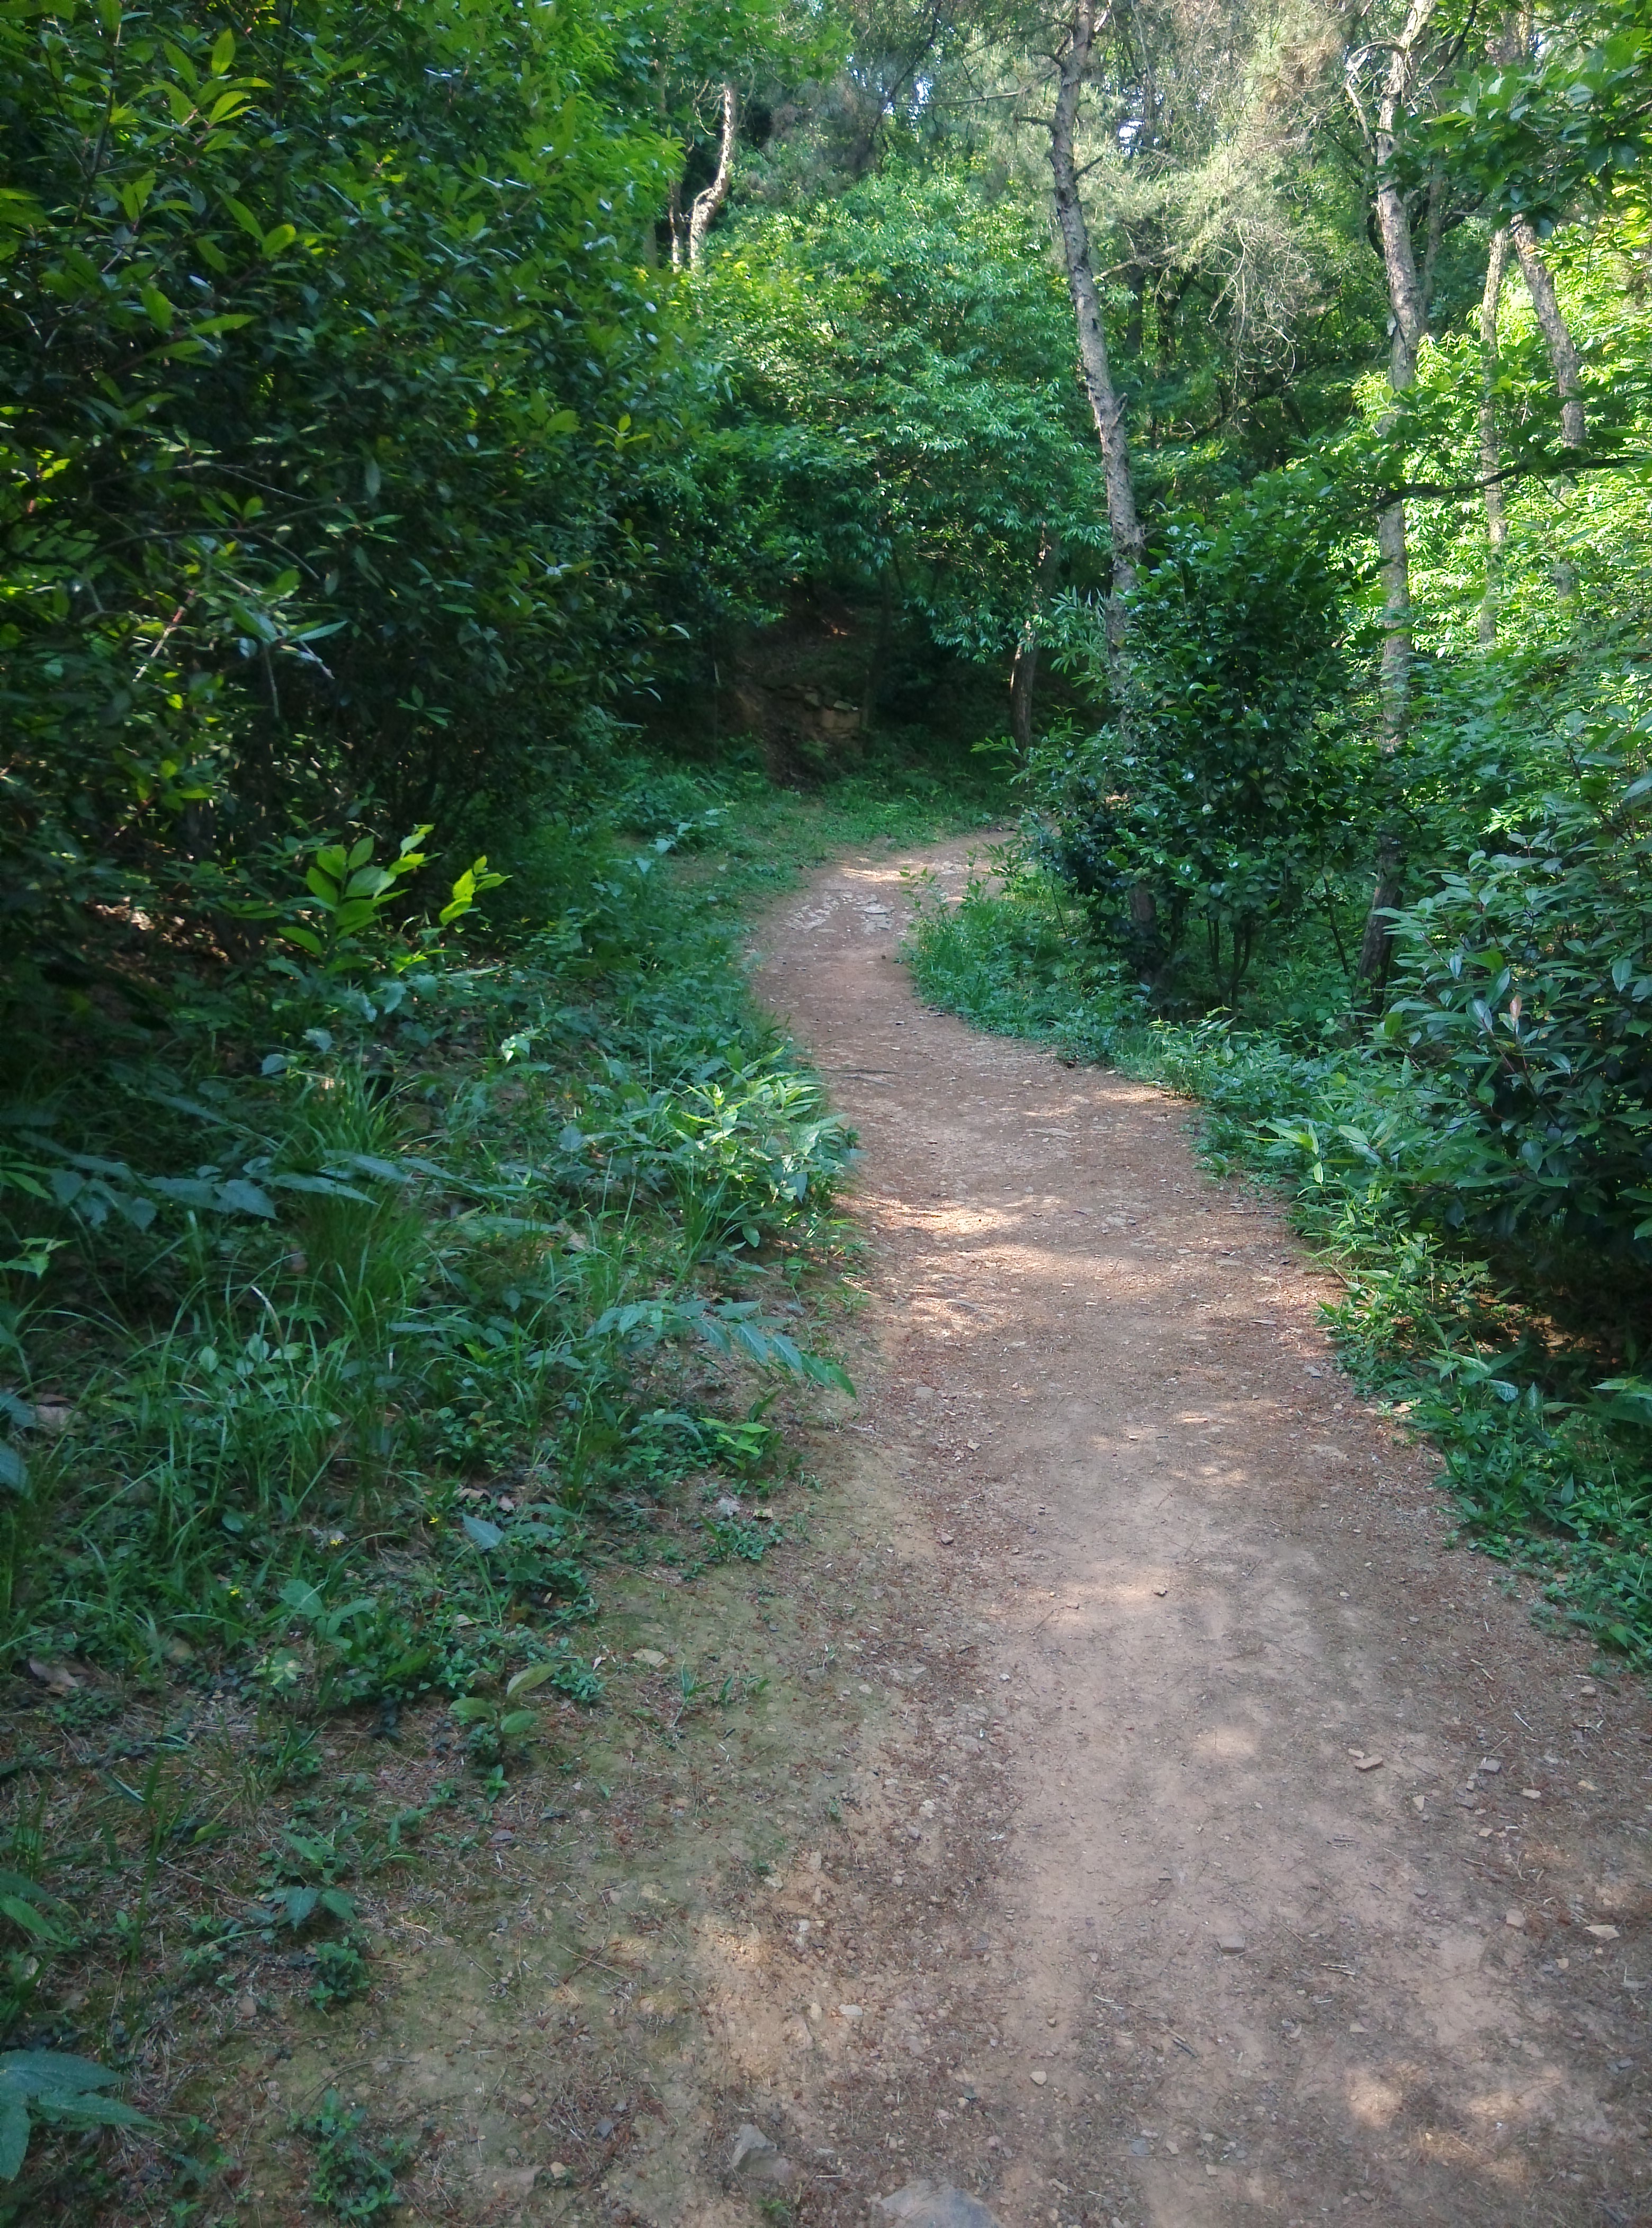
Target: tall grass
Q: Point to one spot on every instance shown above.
(379, 1327)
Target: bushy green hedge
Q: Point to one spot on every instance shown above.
(329, 367)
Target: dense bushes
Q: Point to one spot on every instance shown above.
(1524, 999)
(594, 1157)
(1224, 792)
(327, 364)
(901, 417)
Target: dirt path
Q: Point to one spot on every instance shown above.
(1223, 1848)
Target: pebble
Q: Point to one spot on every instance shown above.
(1161, 1590)
(650, 1658)
(1038, 2077)
(848, 2011)
(1602, 1933)
(1532, 1794)
(1490, 1763)
(1513, 1918)
(1230, 1945)
(1368, 1764)
(513, 2183)
(759, 2161)
(937, 2205)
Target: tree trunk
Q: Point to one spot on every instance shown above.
(1023, 674)
(1105, 406)
(1563, 357)
(1023, 680)
(1491, 461)
(1409, 311)
(679, 227)
(711, 199)
(1557, 336)
(880, 657)
(1376, 944)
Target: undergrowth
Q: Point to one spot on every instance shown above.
(1521, 1366)
(365, 1328)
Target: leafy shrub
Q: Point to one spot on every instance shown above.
(227, 612)
(353, 2179)
(1525, 1000)
(1224, 792)
(340, 1973)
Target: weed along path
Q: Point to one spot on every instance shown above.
(1221, 1845)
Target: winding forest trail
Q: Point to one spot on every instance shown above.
(1231, 1850)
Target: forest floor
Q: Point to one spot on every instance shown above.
(1149, 1816)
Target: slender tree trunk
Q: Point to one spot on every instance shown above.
(1563, 358)
(1023, 674)
(679, 227)
(1433, 235)
(880, 657)
(711, 199)
(1491, 462)
(1104, 405)
(1557, 336)
(1409, 311)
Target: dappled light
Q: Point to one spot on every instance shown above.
(827, 1119)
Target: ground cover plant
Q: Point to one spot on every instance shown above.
(489, 1299)
(1523, 1362)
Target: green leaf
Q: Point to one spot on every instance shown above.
(32, 1921)
(238, 1196)
(223, 53)
(300, 1902)
(60, 2072)
(92, 2112)
(14, 2136)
